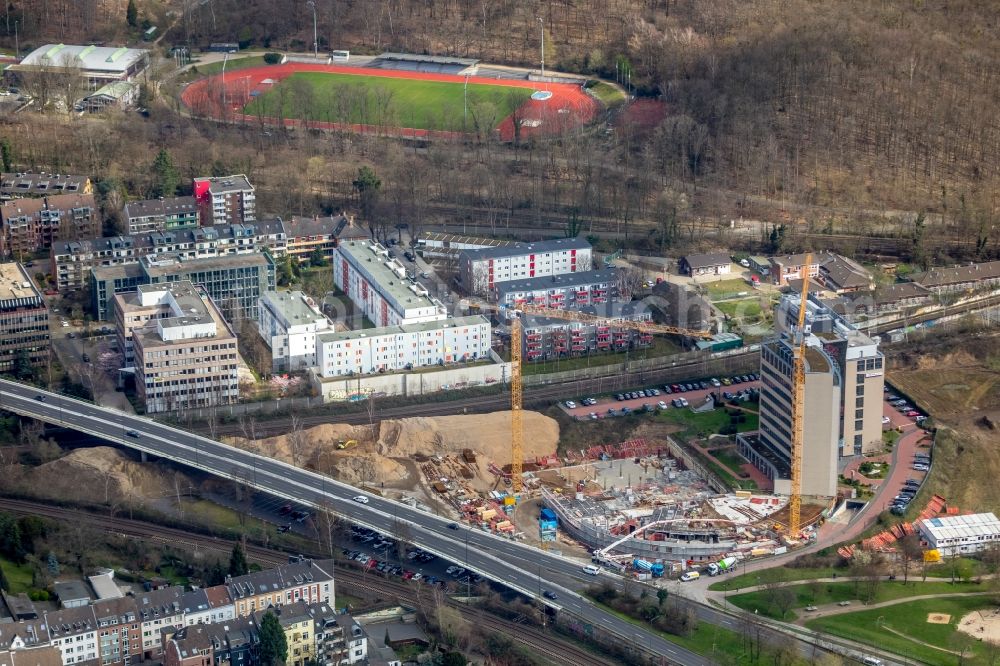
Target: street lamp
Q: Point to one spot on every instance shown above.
(17, 43)
(225, 59)
(541, 23)
(312, 4)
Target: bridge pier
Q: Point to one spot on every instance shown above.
(143, 456)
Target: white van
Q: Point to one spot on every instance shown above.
(871, 661)
(690, 575)
(592, 569)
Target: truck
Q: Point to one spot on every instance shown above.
(725, 565)
(657, 570)
(642, 565)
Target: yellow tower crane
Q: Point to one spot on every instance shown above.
(516, 401)
(799, 407)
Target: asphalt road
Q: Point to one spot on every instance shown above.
(520, 567)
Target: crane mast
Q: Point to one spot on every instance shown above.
(516, 423)
(799, 407)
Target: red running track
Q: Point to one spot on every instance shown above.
(568, 108)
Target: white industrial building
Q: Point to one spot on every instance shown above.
(481, 269)
(289, 321)
(403, 347)
(958, 535)
(98, 64)
(378, 286)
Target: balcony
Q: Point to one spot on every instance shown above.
(579, 348)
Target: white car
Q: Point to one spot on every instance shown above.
(886, 420)
(661, 405)
(360, 499)
(684, 402)
(570, 404)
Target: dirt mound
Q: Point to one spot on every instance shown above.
(956, 359)
(99, 475)
(487, 434)
(375, 458)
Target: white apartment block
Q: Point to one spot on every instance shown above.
(289, 322)
(403, 347)
(481, 269)
(378, 286)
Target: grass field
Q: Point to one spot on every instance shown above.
(18, 576)
(388, 102)
(705, 423)
(825, 593)
(882, 627)
(232, 64)
(607, 93)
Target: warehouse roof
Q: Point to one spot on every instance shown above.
(87, 58)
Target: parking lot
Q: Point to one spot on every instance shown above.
(673, 396)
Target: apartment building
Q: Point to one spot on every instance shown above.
(31, 225)
(24, 319)
(403, 347)
(289, 322)
(207, 605)
(843, 398)
(74, 631)
(844, 276)
(119, 633)
(38, 656)
(185, 357)
(378, 286)
(235, 282)
(329, 638)
(71, 261)
(159, 609)
(480, 270)
(306, 235)
(568, 290)
(546, 338)
(22, 185)
(225, 200)
(299, 627)
(308, 580)
(189, 646)
(163, 214)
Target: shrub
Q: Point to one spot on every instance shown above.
(272, 58)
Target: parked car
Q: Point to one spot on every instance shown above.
(661, 405)
(570, 404)
(684, 402)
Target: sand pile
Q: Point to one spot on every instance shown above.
(374, 458)
(99, 475)
(486, 434)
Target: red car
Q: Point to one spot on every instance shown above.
(912, 413)
(407, 575)
(371, 564)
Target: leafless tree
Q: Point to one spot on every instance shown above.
(909, 551)
(296, 439)
(627, 282)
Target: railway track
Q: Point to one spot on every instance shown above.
(552, 647)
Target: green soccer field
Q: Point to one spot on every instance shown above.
(388, 102)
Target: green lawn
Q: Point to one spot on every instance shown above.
(746, 309)
(388, 102)
(660, 347)
(704, 424)
(825, 593)
(726, 288)
(607, 93)
(774, 574)
(910, 619)
(18, 576)
(729, 457)
(231, 65)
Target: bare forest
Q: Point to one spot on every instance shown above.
(834, 116)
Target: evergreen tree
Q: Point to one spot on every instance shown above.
(165, 175)
(22, 365)
(53, 564)
(273, 646)
(131, 14)
(6, 155)
(216, 575)
(367, 185)
(238, 562)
